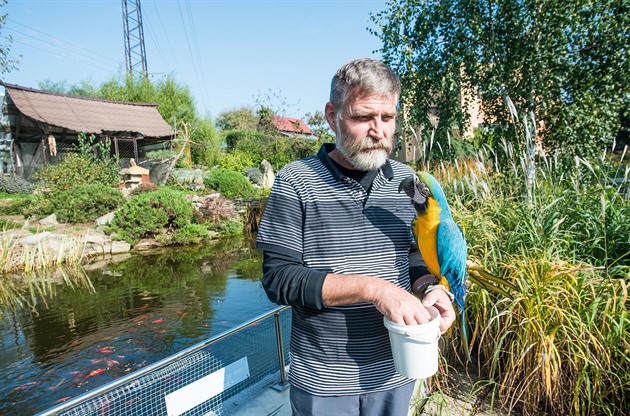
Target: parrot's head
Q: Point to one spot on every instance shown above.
(417, 190)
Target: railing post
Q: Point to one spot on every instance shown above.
(283, 384)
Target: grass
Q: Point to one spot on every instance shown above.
(25, 270)
(559, 344)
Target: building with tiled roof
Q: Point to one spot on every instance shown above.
(38, 127)
(293, 127)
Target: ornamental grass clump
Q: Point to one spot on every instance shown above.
(559, 343)
(560, 346)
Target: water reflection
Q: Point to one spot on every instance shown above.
(142, 309)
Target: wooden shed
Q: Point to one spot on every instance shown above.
(40, 127)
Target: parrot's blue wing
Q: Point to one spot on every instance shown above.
(451, 254)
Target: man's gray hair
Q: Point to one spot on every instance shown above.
(366, 75)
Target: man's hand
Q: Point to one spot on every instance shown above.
(399, 306)
(441, 301)
(395, 303)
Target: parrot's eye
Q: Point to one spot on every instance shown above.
(424, 190)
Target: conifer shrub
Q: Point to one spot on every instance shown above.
(15, 206)
(143, 188)
(85, 203)
(13, 184)
(229, 183)
(161, 213)
(188, 234)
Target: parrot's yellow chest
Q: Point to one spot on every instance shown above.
(425, 228)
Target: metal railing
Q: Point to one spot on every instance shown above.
(237, 364)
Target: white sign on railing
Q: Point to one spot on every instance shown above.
(184, 399)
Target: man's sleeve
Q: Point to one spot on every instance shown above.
(288, 282)
(417, 266)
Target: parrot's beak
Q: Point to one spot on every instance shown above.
(415, 189)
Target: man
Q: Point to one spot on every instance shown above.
(338, 247)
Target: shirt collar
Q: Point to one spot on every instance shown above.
(386, 170)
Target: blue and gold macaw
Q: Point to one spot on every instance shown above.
(443, 246)
(440, 240)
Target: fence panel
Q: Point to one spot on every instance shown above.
(206, 379)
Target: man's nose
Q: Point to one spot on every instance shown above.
(376, 128)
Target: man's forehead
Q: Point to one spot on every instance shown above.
(370, 103)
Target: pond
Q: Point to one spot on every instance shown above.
(142, 309)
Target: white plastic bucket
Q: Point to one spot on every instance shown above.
(415, 347)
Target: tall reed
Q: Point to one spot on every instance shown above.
(32, 271)
(560, 343)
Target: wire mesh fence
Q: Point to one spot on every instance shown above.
(206, 379)
(32, 156)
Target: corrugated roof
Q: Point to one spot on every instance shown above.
(291, 125)
(90, 115)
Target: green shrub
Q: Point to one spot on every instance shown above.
(85, 203)
(77, 170)
(15, 206)
(143, 188)
(237, 161)
(13, 184)
(151, 214)
(230, 227)
(6, 224)
(229, 183)
(189, 234)
(39, 206)
(91, 165)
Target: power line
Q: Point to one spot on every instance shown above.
(71, 47)
(194, 61)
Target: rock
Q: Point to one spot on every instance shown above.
(187, 176)
(119, 247)
(49, 220)
(146, 244)
(33, 239)
(105, 219)
(268, 175)
(96, 238)
(93, 250)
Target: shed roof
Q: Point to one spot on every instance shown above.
(90, 115)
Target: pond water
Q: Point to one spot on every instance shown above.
(142, 309)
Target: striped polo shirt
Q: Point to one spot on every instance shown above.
(329, 221)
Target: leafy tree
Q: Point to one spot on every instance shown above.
(265, 121)
(53, 86)
(242, 118)
(175, 102)
(556, 69)
(205, 144)
(318, 123)
(7, 64)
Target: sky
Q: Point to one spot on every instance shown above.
(230, 53)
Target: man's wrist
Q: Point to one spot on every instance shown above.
(450, 295)
(423, 283)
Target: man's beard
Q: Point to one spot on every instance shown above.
(359, 155)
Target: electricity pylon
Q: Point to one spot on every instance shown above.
(135, 55)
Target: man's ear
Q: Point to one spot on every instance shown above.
(330, 113)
